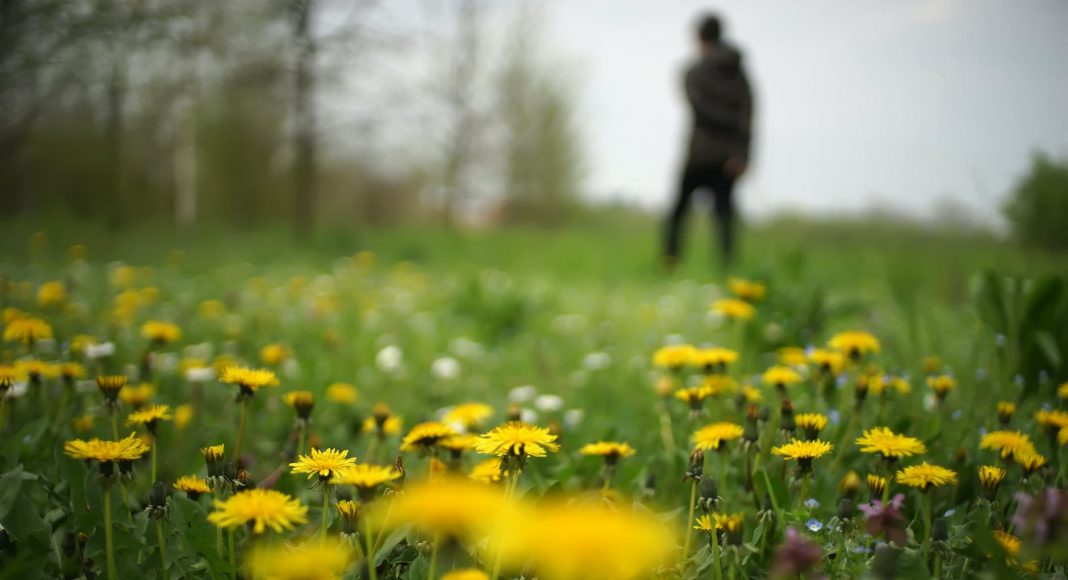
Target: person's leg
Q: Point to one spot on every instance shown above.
(723, 208)
(673, 233)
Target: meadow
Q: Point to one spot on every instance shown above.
(851, 400)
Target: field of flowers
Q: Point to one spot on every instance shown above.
(365, 417)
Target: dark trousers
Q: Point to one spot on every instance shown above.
(719, 185)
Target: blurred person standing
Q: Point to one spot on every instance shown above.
(719, 95)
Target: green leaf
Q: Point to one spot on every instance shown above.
(190, 520)
(419, 570)
(391, 540)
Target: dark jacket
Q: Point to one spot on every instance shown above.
(722, 104)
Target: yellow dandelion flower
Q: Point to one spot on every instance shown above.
(213, 452)
(733, 309)
(792, 356)
(1030, 461)
(1054, 420)
(459, 443)
(274, 354)
(854, 344)
(324, 463)
(850, 483)
(83, 423)
(449, 507)
(694, 396)
(610, 450)
(366, 475)
(712, 437)
(211, 309)
(714, 359)
(126, 449)
(192, 485)
(309, 560)
(876, 485)
(926, 475)
(517, 439)
(942, 385)
(749, 290)
(811, 423)
(803, 452)
(250, 380)
(342, 393)
(11, 374)
(829, 362)
(1062, 390)
(674, 356)
(263, 508)
(391, 425)
(71, 370)
(1007, 443)
(470, 415)
(990, 478)
(160, 332)
(488, 471)
(890, 445)
(780, 377)
(301, 402)
(901, 385)
(149, 416)
(1005, 411)
(752, 394)
(137, 396)
(51, 294)
(705, 523)
(27, 330)
(718, 384)
(425, 435)
(39, 369)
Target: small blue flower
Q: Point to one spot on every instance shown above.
(860, 550)
(1019, 380)
(949, 513)
(812, 503)
(982, 431)
(834, 416)
(841, 380)
(999, 340)
(1043, 376)
(980, 374)
(814, 525)
(956, 415)
(1047, 407)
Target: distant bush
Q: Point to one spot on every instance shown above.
(1038, 207)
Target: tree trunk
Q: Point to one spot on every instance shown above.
(305, 131)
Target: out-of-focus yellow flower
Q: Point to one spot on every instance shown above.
(854, 343)
(310, 560)
(27, 330)
(942, 385)
(160, 332)
(566, 541)
(1030, 461)
(451, 507)
(488, 471)
(811, 423)
(990, 478)
(931, 365)
(301, 401)
(80, 342)
(714, 359)
(674, 356)
(1007, 443)
(149, 416)
(792, 356)
(250, 380)
(828, 362)
(78, 252)
(470, 415)
(610, 450)
(748, 290)
(122, 276)
(391, 425)
(51, 294)
(712, 437)
(425, 435)
(83, 423)
(850, 483)
(211, 309)
(39, 368)
(752, 394)
(192, 485)
(12, 313)
(183, 415)
(1062, 391)
(137, 396)
(780, 377)
(734, 309)
(274, 354)
(366, 476)
(342, 393)
(466, 574)
(71, 370)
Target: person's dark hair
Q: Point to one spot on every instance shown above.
(709, 29)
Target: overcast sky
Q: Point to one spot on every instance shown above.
(894, 103)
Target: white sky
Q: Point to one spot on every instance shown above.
(861, 103)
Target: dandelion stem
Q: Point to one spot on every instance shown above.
(370, 555)
(233, 559)
(432, 573)
(723, 473)
(301, 437)
(155, 443)
(326, 513)
(162, 550)
(667, 431)
(218, 542)
(509, 493)
(241, 431)
(3, 414)
(717, 569)
(109, 542)
(927, 526)
(114, 425)
(689, 520)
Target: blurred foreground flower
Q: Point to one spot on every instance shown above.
(310, 560)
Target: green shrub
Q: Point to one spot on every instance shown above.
(1038, 207)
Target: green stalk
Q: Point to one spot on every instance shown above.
(667, 432)
(114, 425)
(301, 438)
(689, 521)
(432, 573)
(109, 542)
(716, 569)
(233, 559)
(326, 513)
(162, 550)
(370, 554)
(927, 526)
(509, 492)
(155, 443)
(241, 431)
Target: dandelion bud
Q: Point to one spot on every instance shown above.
(515, 412)
(697, 465)
(931, 365)
(765, 413)
(876, 486)
(940, 530)
(1006, 409)
(990, 478)
(350, 515)
(788, 424)
(846, 508)
(649, 485)
(850, 484)
(157, 501)
(709, 493)
(302, 402)
(244, 479)
(861, 392)
(380, 413)
(109, 386)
